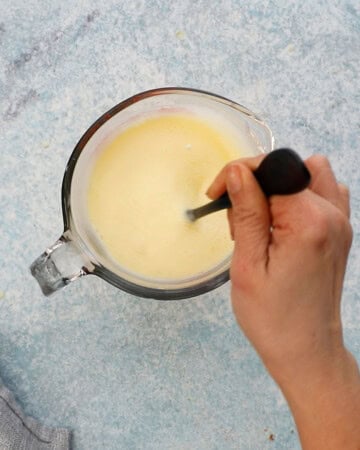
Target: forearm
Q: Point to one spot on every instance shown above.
(325, 403)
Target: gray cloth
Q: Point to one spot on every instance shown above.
(19, 432)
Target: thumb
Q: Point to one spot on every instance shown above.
(249, 218)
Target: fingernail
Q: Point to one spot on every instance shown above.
(233, 180)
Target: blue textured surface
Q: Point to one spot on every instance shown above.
(123, 372)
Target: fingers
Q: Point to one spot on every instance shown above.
(218, 187)
(250, 220)
(307, 219)
(250, 217)
(323, 183)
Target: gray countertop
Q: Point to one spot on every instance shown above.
(120, 371)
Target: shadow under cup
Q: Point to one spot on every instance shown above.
(79, 251)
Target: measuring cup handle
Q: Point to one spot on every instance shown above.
(60, 264)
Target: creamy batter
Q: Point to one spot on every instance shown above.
(141, 185)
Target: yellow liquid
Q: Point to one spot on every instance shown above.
(143, 182)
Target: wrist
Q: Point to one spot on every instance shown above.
(317, 378)
(309, 361)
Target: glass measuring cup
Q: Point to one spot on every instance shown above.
(79, 251)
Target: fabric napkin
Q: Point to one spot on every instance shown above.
(19, 432)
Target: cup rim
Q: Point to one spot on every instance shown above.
(99, 269)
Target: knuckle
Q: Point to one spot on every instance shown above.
(338, 220)
(342, 227)
(328, 228)
(319, 161)
(344, 190)
(319, 229)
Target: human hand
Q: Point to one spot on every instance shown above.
(287, 274)
(286, 283)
